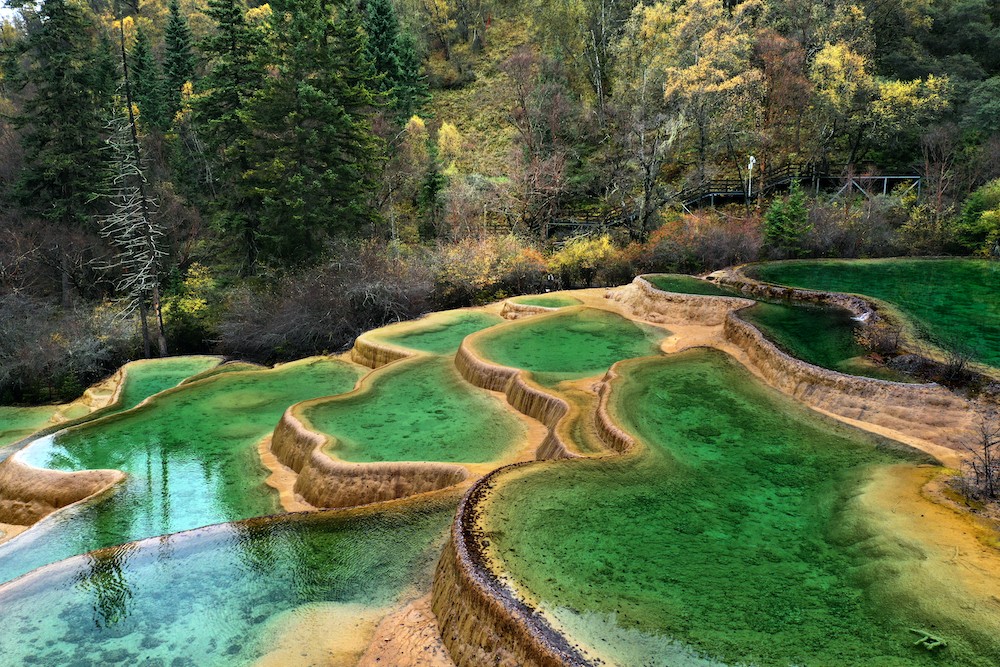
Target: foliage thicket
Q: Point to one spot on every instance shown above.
(450, 142)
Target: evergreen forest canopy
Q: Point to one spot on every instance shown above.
(268, 180)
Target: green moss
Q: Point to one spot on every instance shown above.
(420, 410)
(733, 537)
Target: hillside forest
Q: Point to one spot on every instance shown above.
(269, 180)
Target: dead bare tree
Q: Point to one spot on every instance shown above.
(982, 476)
(131, 229)
(130, 226)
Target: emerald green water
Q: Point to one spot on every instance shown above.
(206, 598)
(420, 410)
(819, 335)
(732, 539)
(190, 456)
(17, 423)
(682, 284)
(569, 345)
(141, 381)
(154, 375)
(547, 300)
(443, 333)
(949, 301)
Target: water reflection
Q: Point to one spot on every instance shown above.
(190, 457)
(207, 596)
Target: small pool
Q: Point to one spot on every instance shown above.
(547, 300)
(419, 410)
(439, 333)
(569, 344)
(953, 303)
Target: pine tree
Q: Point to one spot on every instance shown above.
(787, 221)
(411, 89)
(69, 74)
(393, 54)
(313, 144)
(147, 83)
(235, 75)
(382, 45)
(179, 61)
(62, 121)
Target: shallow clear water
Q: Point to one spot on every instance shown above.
(569, 345)
(190, 456)
(952, 302)
(821, 335)
(547, 300)
(442, 333)
(420, 410)
(207, 598)
(141, 381)
(732, 539)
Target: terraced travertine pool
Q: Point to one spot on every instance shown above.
(570, 344)
(419, 410)
(950, 302)
(732, 539)
(190, 456)
(547, 300)
(222, 595)
(142, 379)
(440, 333)
(825, 336)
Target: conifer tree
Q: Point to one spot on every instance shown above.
(235, 74)
(178, 61)
(393, 54)
(69, 75)
(62, 120)
(411, 89)
(147, 83)
(313, 145)
(382, 45)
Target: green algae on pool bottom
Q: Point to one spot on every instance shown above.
(569, 345)
(190, 456)
(440, 333)
(733, 538)
(419, 410)
(951, 302)
(547, 300)
(212, 597)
